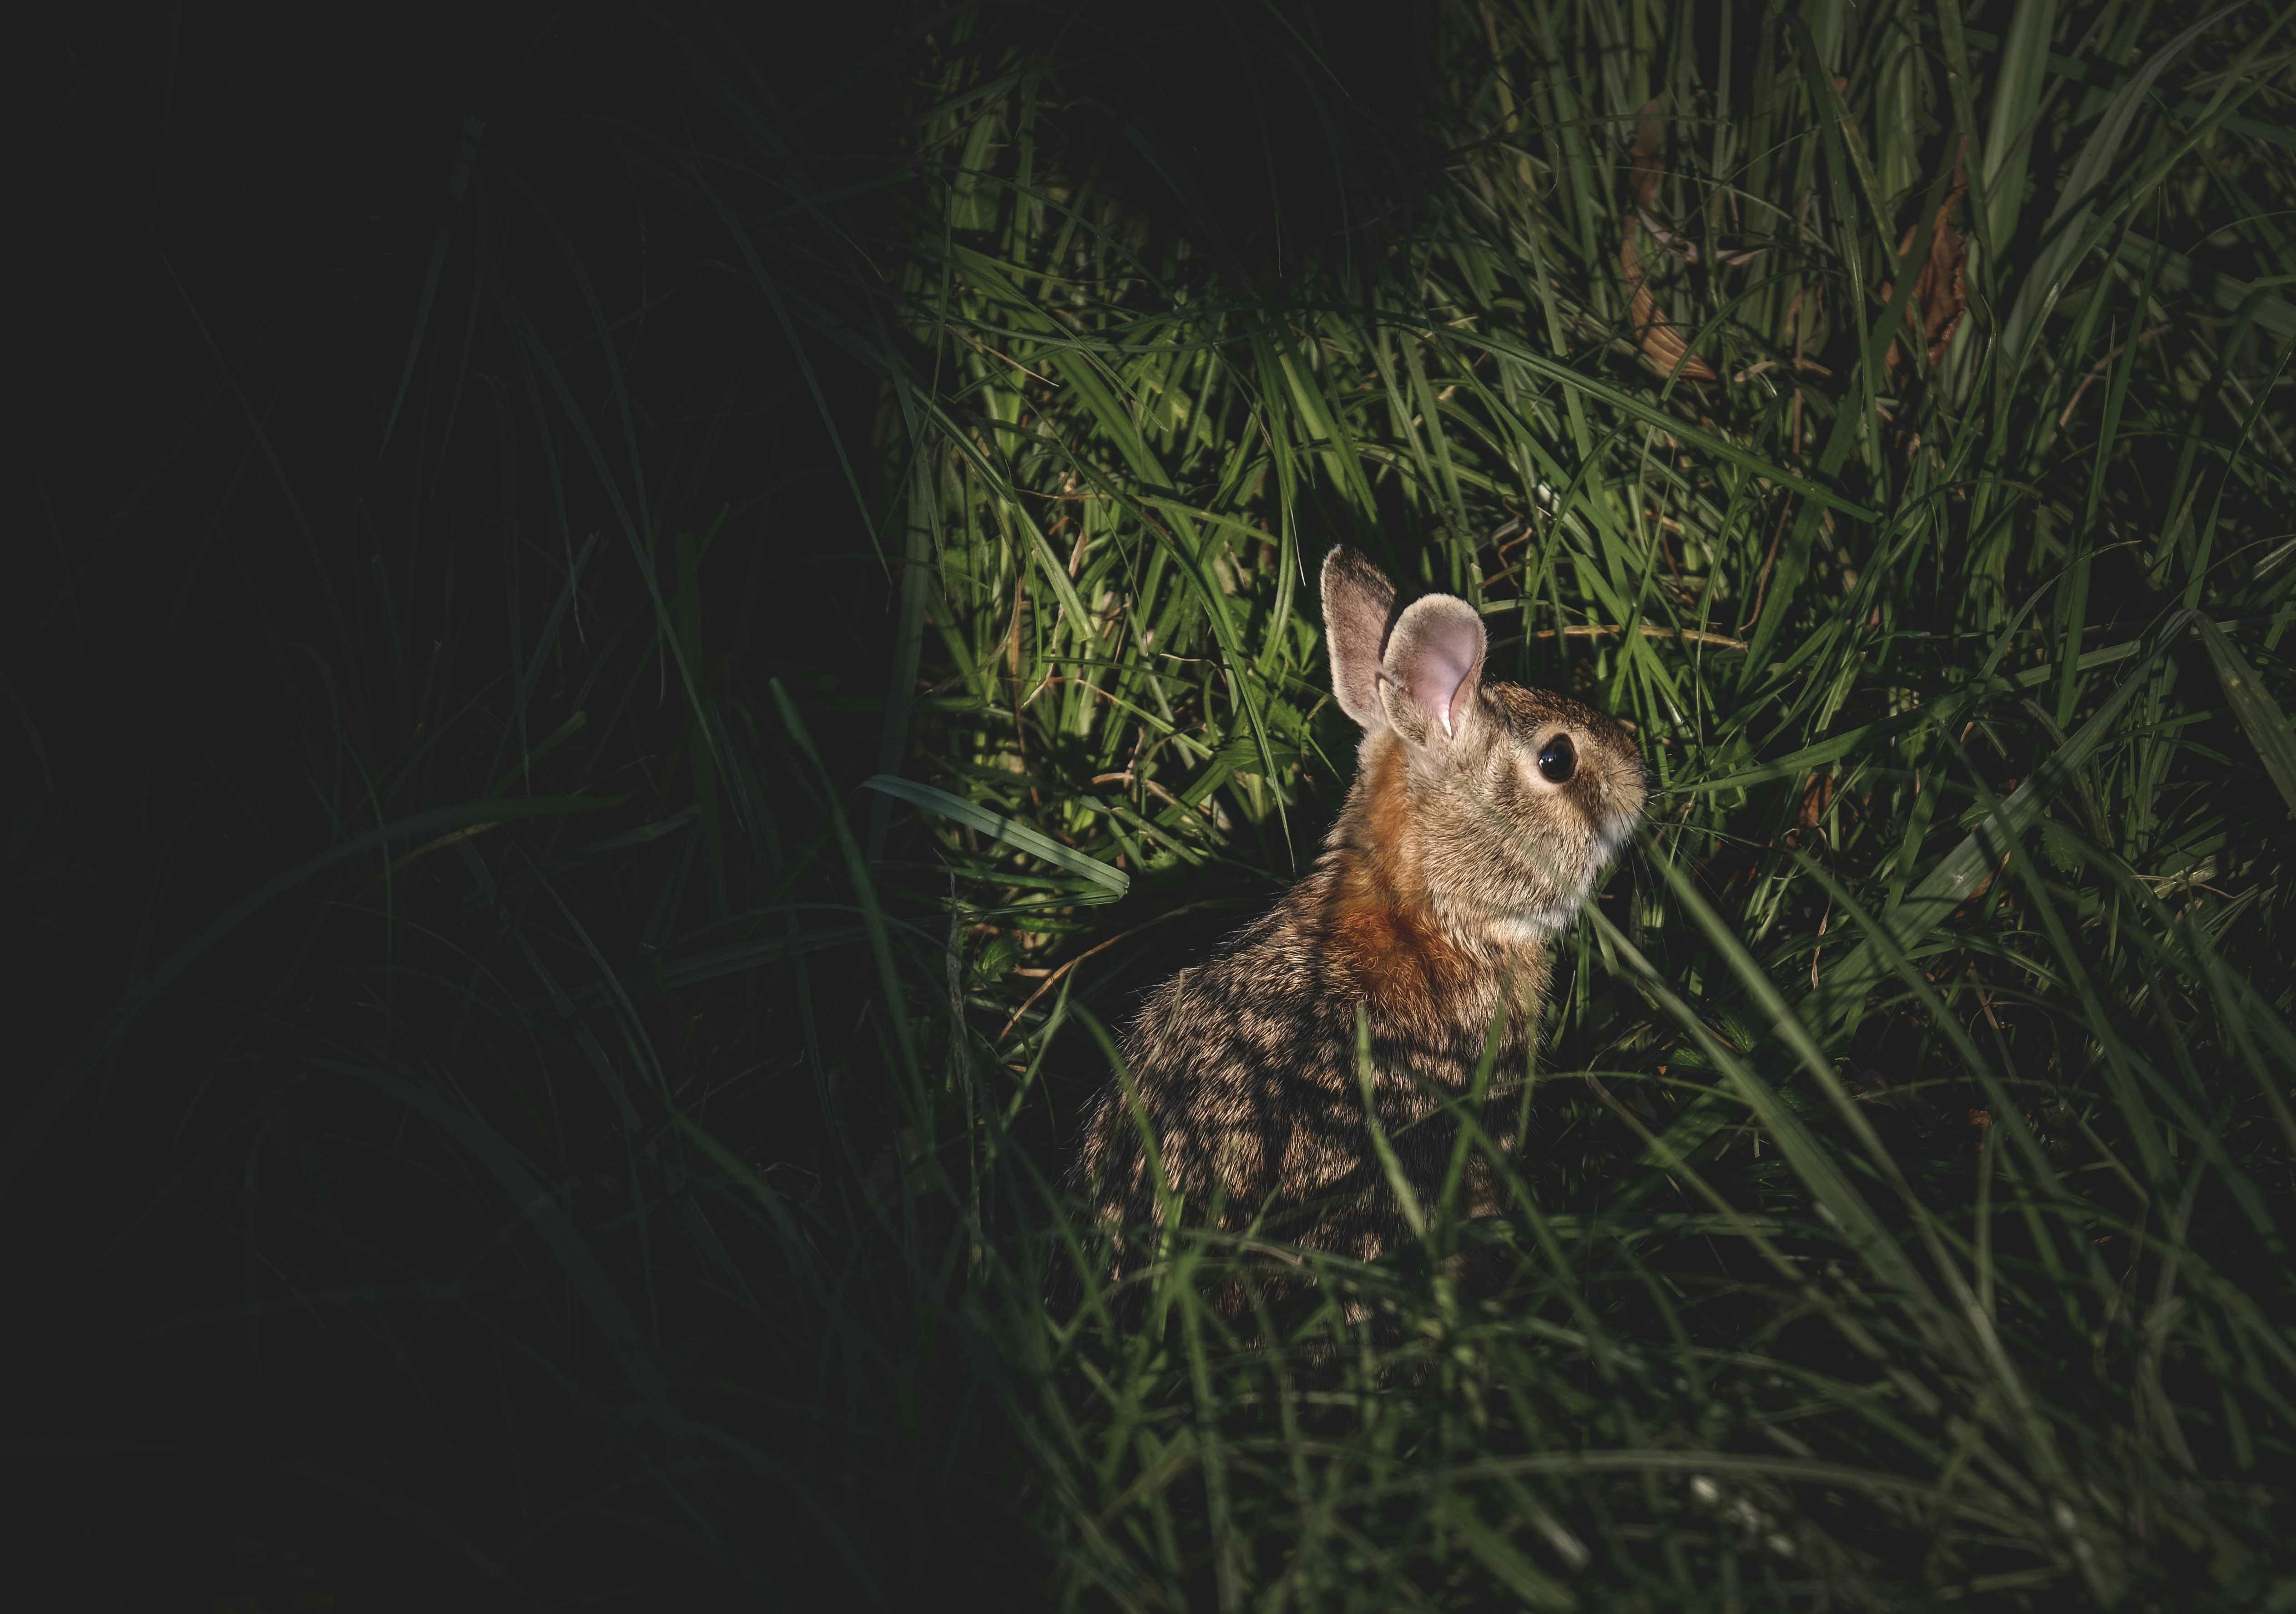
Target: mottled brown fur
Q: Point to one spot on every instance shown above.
(1429, 910)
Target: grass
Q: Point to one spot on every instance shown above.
(1884, 409)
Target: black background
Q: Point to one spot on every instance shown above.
(228, 216)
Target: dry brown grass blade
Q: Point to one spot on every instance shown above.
(1940, 294)
(1817, 797)
(1664, 349)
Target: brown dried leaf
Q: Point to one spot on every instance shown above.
(1664, 349)
(1817, 797)
(1940, 294)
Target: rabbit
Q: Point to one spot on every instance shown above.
(1479, 816)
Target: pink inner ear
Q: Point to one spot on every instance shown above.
(1442, 657)
(1438, 680)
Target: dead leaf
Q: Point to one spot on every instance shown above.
(1940, 294)
(1817, 797)
(1664, 349)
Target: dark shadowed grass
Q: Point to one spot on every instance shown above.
(646, 1142)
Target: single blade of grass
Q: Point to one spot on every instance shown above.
(997, 828)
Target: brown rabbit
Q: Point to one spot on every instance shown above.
(1479, 816)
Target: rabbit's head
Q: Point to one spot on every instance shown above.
(1504, 803)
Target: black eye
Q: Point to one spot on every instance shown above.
(1558, 760)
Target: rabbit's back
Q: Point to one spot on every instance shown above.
(1245, 1071)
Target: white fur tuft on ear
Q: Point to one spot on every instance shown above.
(1433, 665)
(1358, 608)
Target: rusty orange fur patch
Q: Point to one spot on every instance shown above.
(1379, 927)
(1386, 817)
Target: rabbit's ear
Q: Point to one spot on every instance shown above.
(1433, 667)
(1358, 609)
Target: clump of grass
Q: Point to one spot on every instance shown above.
(1884, 408)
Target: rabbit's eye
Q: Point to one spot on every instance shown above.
(1558, 760)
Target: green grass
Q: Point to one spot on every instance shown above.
(1926, 657)
(1905, 1219)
